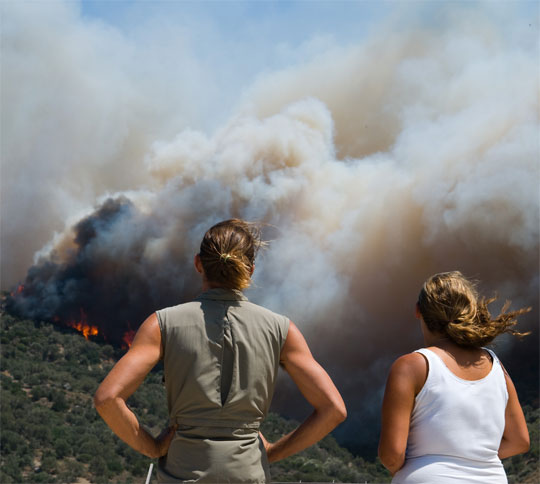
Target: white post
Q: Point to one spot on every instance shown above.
(149, 473)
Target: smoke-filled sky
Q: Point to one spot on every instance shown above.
(381, 141)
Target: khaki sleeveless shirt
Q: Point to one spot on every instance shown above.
(221, 358)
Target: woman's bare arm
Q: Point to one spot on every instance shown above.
(122, 381)
(406, 378)
(318, 389)
(515, 438)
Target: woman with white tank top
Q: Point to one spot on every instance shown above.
(450, 411)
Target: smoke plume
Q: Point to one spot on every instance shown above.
(373, 165)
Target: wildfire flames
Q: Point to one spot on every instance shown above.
(87, 329)
(19, 290)
(83, 326)
(128, 338)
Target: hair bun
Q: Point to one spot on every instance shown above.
(225, 257)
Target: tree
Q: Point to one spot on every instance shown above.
(98, 467)
(62, 448)
(48, 463)
(59, 401)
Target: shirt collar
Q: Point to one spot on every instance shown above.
(222, 294)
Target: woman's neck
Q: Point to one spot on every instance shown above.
(444, 343)
(436, 339)
(207, 285)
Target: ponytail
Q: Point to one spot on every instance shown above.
(449, 304)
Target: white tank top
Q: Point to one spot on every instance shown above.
(456, 427)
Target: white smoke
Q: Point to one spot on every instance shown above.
(81, 104)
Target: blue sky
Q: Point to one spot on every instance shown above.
(259, 36)
(287, 20)
(282, 20)
(254, 36)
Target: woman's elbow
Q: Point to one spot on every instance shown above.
(525, 443)
(522, 442)
(517, 444)
(392, 460)
(337, 413)
(99, 401)
(341, 412)
(102, 399)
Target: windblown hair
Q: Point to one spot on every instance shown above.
(228, 252)
(450, 305)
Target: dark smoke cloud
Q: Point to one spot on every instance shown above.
(414, 153)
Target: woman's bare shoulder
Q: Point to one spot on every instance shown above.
(413, 367)
(410, 362)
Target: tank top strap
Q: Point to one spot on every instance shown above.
(436, 371)
(433, 359)
(424, 351)
(497, 369)
(494, 358)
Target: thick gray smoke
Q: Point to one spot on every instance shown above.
(375, 166)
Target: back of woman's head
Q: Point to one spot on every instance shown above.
(228, 251)
(450, 305)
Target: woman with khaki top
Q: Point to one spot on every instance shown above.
(221, 355)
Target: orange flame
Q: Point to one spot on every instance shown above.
(86, 329)
(20, 288)
(83, 327)
(128, 338)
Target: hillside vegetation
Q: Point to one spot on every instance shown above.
(52, 433)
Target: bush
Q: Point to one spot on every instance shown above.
(98, 467)
(62, 448)
(59, 401)
(48, 464)
(73, 470)
(11, 441)
(41, 477)
(11, 467)
(85, 458)
(114, 465)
